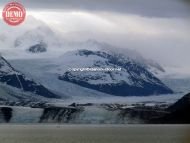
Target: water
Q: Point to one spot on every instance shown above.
(94, 133)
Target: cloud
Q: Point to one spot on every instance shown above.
(151, 8)
(158, 29)
(155, 38)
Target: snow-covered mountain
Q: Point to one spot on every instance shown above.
(9, 76)
(131, 79)
(149, 64)
(44, 42)
(37, 41)
(38, 48)
(136, 73)
(37, 36)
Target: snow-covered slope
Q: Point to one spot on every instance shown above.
(14, 96)
(46, 71)
(128, 77)
(36, 36)
(9, 76)
(43, 42)
(36, 41)
(94, 45)
(131, 78)
(149, 64)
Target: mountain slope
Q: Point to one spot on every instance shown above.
(133, 79)
(11, 77)
(179, 111)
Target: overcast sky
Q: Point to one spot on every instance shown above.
(159, 29)
(152, 8)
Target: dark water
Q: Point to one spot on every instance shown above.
(94, 133)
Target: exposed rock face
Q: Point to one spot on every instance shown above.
(145, 115)
(5, 114)
(59, 114)
(179, 112)
(138, 113)
(38, 48)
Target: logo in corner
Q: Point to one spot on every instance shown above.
(14, 13)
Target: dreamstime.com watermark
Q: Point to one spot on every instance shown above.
(93, 69)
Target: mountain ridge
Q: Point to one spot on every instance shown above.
(132, 80)
(11, 77)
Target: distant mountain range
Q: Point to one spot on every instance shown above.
(38, 72)
(137, 76)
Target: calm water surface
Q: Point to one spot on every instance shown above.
(94, 133)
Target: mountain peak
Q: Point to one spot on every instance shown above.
(133, 79)
(5, 67)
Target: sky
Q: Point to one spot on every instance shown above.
(159, 30)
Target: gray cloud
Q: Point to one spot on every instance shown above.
(159, 29)
(151, 8)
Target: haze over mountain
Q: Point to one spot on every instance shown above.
(144, 42)
(155, 29)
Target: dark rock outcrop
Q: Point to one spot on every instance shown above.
(59, 114)
(179, 112)
(38, 48)
(145, 114)
(5, 114)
